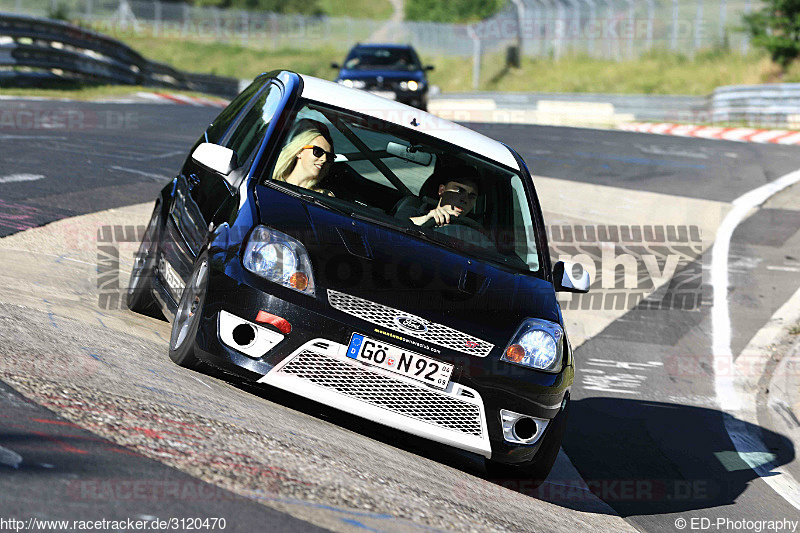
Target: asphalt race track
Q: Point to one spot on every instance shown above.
(97, 422)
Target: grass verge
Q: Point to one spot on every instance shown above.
(653, 73)
(368, 9)
(657, 72)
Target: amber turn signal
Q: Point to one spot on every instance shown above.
(299, 281)
(515, 353)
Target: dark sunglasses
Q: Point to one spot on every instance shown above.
(319, 152)
(461, 190)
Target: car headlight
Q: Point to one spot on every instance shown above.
(410, 85)
(353, 84)
(537, 344)
(279, 258)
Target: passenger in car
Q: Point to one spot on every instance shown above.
(307, 157)
(456, 199)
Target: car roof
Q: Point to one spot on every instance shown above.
(382, 45)
(371, 105)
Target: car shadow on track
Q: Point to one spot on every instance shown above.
(638, 457)
(645, 458)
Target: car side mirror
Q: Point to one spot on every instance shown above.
(428, 67)
(570, 277)
(215, 157)
(335, 65)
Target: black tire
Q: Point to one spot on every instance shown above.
(187, 317)
(538, 469)
(140, 286)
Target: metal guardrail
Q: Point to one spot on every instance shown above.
(34, 49)
(645, 107)
(770, 104)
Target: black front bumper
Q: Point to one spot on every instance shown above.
(500, 385)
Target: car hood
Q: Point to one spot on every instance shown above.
(388, 75)
(410, 275)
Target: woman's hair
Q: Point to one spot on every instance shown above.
(304, 132)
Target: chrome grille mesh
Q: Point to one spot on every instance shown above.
(384, 316)
(416, 402)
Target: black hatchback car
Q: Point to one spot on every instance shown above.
(369, 256)
(392, 71)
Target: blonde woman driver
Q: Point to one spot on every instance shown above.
(307, 157)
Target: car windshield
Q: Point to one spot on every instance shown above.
(396, 176)
(381, 58)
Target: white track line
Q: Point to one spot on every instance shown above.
(728, 398)
(156, 177)
(13, 178)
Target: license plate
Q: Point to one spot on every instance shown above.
(171, 278)
(385, 94)
(400, 361)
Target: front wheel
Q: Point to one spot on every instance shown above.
(140, 286)
(187, 318)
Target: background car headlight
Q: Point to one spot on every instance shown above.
(409, 85)
(279, 258)
(537, 344)
(354, 84)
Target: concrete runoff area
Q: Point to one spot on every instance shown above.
(646, 432)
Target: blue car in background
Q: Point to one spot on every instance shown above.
(392, 71)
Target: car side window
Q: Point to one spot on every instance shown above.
(216, 131)
(247, 133)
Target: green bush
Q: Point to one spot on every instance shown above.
(58, 11)
(451, 10)
(776, 28)
(303, 7)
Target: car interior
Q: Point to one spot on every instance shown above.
(380, 167)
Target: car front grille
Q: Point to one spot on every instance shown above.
(385, 316)
(417, 402)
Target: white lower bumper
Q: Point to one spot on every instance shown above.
(321, 371)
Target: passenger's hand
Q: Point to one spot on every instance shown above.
(442, 213)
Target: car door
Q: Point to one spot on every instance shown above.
(200, 191)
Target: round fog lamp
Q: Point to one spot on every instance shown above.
(412, 85)
(515, 353)
(299, 281)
